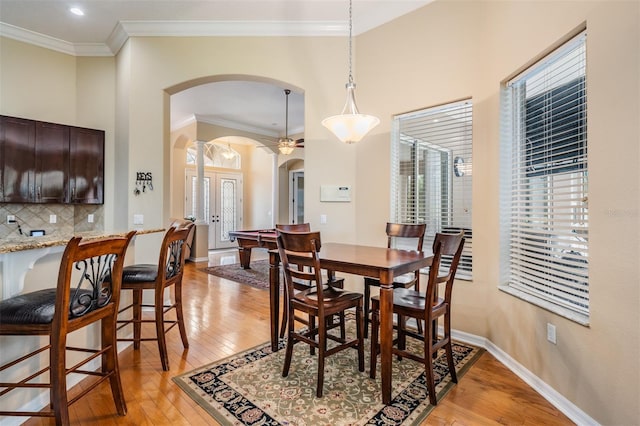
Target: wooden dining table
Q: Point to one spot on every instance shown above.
(377, 262)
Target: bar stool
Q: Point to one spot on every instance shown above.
(165, 274)
(82, 297)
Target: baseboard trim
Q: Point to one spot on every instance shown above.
(556, 399)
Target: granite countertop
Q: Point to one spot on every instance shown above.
(14, 244)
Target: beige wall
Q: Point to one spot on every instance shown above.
(445, 51)
(451, 50)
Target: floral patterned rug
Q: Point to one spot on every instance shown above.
(257, 276)
(248, 388)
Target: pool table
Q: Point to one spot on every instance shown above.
(264, 238)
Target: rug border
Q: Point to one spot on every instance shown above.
(223, 420)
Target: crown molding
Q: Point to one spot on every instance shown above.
(235, 125)
(126, 29)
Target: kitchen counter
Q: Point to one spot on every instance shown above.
(14, 244)
(18, 255)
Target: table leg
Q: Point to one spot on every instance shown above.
(245, 256)
(274, 297)
(386, 338)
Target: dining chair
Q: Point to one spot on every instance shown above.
(82, 297)
(396, 233)
(305, 285)
(166, 274)
(320, 301)
(427, 307)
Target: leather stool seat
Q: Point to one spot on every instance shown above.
(38, 307)
(139, 273)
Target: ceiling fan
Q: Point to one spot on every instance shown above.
(286, 145)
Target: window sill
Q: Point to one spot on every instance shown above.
(579, 318)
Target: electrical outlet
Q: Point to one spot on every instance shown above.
(138, 219)
(323, 218)
(551, 333)
(11, 218)
(53, 218)
(90, 218)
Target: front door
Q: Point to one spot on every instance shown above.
(222, 204)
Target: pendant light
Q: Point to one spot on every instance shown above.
(228, 153)
(286, 145)
(350, 126)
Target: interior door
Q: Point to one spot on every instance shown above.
(296, 195)
(222, 204)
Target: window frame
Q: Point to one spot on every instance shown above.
(544, 183)
(436, 142)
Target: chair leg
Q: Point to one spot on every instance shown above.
(159, 320)
(58, 380)
(402, 337)
(428, 364)
(360, 333)
(180, 315)
(290, 343)
(375, 321)
(110, 364)
(367, 301)
(137, 317)
(285, 315)
(322, 348)
(312, 325)
(449, 349)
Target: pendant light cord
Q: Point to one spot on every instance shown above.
(286, 116)
(350, 31)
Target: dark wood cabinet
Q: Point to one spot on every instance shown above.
(17, 158)
(50, 163)
(86, 170)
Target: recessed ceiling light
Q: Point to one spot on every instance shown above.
(76, 11)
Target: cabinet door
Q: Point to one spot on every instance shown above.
(86, 170)
(52, 163)
(17, 159)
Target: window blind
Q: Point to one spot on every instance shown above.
(432, 173)
(548, 223)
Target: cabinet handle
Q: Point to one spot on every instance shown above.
(38, 192)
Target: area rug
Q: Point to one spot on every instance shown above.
(257, 276)
(248, 388)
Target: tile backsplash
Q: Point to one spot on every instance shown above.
(69, 219)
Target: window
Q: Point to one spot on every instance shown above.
(215, 155)
(431, 173)
(544, 176)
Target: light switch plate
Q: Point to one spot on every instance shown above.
(90, 218)
(138, 219)
(53, 218)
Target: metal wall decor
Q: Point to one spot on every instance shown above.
(144, 181)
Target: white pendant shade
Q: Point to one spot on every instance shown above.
(350, 126)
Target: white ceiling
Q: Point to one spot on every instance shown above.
(252, 106)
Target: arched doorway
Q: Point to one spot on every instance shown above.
(262, 157)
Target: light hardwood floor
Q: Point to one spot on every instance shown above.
(224, 317)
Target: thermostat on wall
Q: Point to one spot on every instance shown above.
(335, 193)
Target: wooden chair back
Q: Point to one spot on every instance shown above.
(450, 245)
(406, 230)
(292, 245)
(85, 289)
(294, 227)
(172, 255)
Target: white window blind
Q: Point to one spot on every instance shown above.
(545, 136)
(432, 172)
